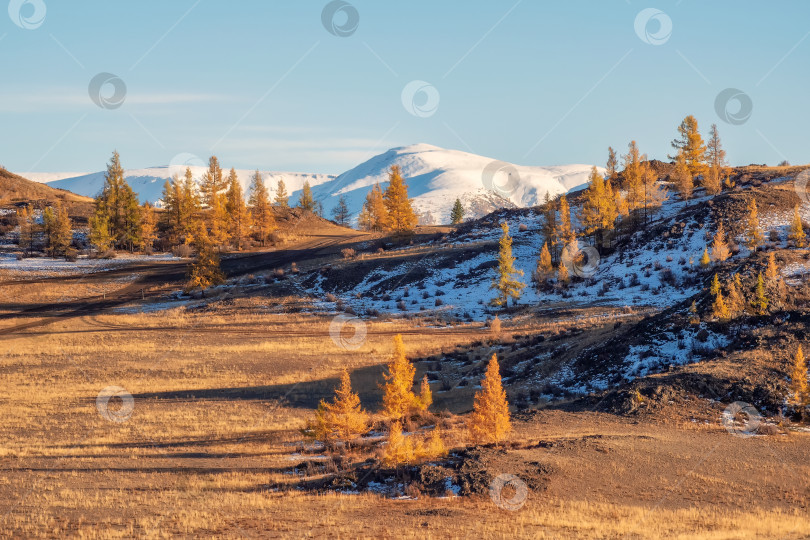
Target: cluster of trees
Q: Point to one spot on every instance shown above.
(754, 296)
(390, 210)
(56, 230)
(343, 420)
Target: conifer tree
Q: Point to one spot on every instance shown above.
(100, 236)
(237, 212)
(715, 286)
(654, 195)
(457, 213)
(562, 274)
(719, 308)
(705, 260)
(401, 217)
(345, 418)
(611, 174)
(564, 233)
(549, 227)
(282, 199)
(797, 233)
(398, 396)
(119, 204)
(341, 213)
(599, 209)
(58, 232)
(720, 251)
(435, 448)
(753, 232)
(212, 182)
(760, 302)
(425, 399)
(772, 270)
(28, 225)
(219, 220)
(374, 216)
(682, 178)
(148, 232)
(544, 266)
(799, 391)
(181, 202)
(506, 285)
(633, 182)
(400, 449)
(205, 271)
(716, 157)
(261, 212)
(307, 201)
(490, 422)
(712, 182)
(735, 302)
(692, 146)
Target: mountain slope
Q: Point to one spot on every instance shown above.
(16, 188)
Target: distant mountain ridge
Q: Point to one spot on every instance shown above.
(436, 177)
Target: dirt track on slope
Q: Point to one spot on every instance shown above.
(150, 275)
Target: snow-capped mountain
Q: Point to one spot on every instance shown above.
(436, 177)
(148, 183)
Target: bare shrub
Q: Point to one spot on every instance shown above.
(348, 253)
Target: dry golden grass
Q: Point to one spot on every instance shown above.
(230, 386)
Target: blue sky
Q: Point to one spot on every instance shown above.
(264, 84)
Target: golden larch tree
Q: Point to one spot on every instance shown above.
(425, 399)
(799, 391)
(633, 182)
(435, 447)
(691, 144)
(719, 308)
(398, 396)
(753, 233)
(720, 251)
(261, 210)
(489, 421)
(238, 215)
(148, 233)
(544, 266)
(401, 216)
(772, 270)
(735, 302)
(506, 284)
(564, 233)
(705, 260)
(760, 302)
(400, 448)
(345, 417)
(374, 215)
(681, 177)
(797, 233)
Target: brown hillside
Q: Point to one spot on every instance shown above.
(15, 188)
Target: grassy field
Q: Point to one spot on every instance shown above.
(208, 443)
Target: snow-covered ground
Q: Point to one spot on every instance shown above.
(82, 265)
